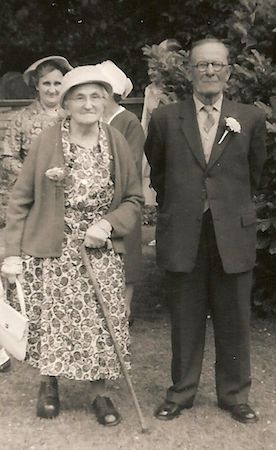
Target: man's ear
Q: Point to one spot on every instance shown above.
(189, 73)
(228, 74)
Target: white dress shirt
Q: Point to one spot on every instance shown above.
(207, 139)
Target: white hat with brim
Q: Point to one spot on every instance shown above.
(83, 75)
(59, 60)
(120, 83)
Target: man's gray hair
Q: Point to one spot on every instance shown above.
(208, 41)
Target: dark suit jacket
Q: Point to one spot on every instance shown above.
(182, 180)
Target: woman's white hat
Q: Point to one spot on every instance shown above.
(60, 60)
(120, 83)
(83, 75)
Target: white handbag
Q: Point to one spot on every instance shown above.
(13, 324)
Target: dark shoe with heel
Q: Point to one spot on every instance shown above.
(105, 412)
(241, 412)
(170, 410)
(48, 399)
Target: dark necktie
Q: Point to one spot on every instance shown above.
(210, 120)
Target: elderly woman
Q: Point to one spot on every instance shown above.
(128, 124)
(78, 184)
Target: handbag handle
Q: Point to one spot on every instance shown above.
(20, 295)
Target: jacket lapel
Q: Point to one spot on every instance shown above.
(228, 109)
(190, 128)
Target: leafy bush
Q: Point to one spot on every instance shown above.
(254, 81)
(149, 215)
(89, 31)
(171, 70)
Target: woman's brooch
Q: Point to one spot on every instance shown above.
(55, 173)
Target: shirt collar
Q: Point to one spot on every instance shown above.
(119, 110)
(199, 105)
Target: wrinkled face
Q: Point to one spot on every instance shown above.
(49, 88)
(209, 70)
(85, 103)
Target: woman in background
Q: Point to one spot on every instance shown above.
(128, 124)
(154, 97)
(45, 76)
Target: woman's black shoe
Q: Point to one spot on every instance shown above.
(105, 412)
(48, 400)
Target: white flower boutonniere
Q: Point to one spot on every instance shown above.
(55, 173)
(231, 124)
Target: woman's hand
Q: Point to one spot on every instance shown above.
(12, 267)
(98, 234)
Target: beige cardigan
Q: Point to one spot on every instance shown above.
(35, 216)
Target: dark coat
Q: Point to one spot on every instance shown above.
(130, 127)
(183, 180)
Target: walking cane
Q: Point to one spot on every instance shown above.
(113, 337)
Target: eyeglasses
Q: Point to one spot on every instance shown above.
(94, 98)
(202, 66)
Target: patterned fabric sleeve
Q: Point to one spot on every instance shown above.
(13, 137)
(12, 144)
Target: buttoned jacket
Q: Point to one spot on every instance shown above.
(35, 216)
(183, 181)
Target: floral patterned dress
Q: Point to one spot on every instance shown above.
(68, 333)
(25, 125)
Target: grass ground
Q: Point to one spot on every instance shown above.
(201, 428)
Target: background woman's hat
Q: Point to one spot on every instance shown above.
(59, 60)
(83, 75)
(120, 83)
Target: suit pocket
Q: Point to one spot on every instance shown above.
(249, 219)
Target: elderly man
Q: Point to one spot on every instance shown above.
(206, 156)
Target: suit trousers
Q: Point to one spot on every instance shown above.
(191, 296)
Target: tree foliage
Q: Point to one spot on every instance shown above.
(254, 81)
(89, 31)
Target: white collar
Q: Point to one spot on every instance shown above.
(199, 105)
(119, 110)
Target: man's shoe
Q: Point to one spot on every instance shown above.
(48, 399)
(169, 410)
(242, 413)
(5, 367)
